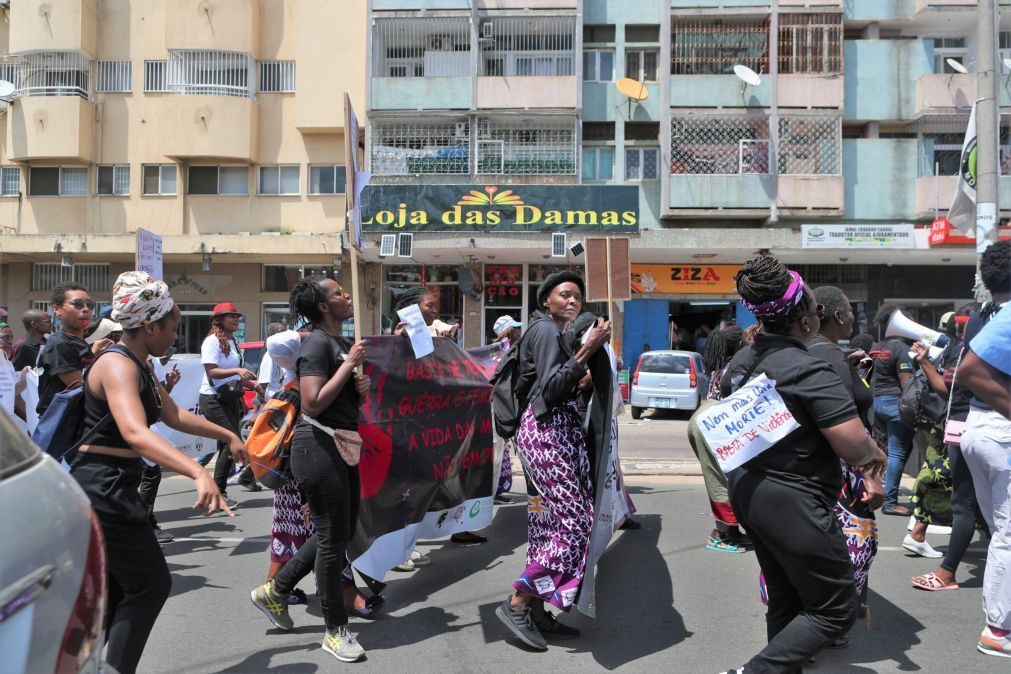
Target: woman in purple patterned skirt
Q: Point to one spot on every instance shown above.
(551, 444)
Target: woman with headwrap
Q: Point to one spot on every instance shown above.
(551, 443)
(726, 535)
(122, 400)
(785, 495)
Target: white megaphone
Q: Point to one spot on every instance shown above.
(901, 326)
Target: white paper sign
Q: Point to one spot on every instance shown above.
(149, 253)
(742, 426)
(421, 339)
(8, 380)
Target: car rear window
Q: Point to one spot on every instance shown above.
(664, 363)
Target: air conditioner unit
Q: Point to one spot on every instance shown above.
(405, 245)
(388, 245)
(461, 130)
(558, 245)
(487, 29)
(440, 43)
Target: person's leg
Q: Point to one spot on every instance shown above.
(899, 445)
(215, 412)
(149, 482)
(963, 508)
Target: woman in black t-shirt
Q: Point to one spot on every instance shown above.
(785, 495)
(331, 392)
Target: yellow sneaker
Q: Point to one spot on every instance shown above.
(343, 645)
(273, 604)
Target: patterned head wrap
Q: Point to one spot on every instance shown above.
(138, 299)
(776, 309)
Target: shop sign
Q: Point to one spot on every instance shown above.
(943, 233)
(857, 236)
(699, 279)
(507, 208)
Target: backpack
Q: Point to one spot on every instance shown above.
(269, 440)
(507, 402)
(918, 404)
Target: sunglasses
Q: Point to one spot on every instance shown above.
(80, 305)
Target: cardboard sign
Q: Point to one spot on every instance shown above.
(742, 426)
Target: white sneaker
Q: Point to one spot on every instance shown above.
(922, 549)
(343, 645)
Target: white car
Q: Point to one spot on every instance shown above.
(667, 380)
(52, 574)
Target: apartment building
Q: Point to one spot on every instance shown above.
(217, 124)
(857, 118)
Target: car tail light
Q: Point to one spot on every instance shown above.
(82, 640)
(635, 375)
(692, 376)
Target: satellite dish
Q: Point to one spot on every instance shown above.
(6, 89)
(632, 89)
(747, 75)
(956, 66)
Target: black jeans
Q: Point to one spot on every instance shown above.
(150, 480)
(808, 574)
(332, 490)
(139, 579)
(963, 510)
(227, 415)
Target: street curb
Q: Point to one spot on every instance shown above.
(678, 467)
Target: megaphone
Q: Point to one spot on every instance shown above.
(901, 326)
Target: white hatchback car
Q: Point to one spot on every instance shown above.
(52, 577)
(667, 380)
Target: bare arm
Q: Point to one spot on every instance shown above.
(191, 424)
(215, 372)
(986, 382)
(318, 393)
(934, 378)
(72, 377)
(850, 441)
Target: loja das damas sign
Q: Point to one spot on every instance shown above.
(512, 208)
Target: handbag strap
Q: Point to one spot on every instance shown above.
(951, 392)
(312, 422)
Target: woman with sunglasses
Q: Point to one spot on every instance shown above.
(785, 496)
(67, 355)
(122, 386)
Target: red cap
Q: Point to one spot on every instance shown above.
(226, 308)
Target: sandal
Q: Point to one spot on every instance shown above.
(372, 606)
(725, 545)
(931, 583)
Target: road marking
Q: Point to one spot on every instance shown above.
(209, 540)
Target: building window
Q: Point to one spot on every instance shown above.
(640, 64)
(281, 278)
(277, 77)
(810, 145)
(10, 71)
(10, 181)
(421, 47)
(602, 131)
(642, 130)
(115, 76)
(56, 73)
(57, 181)
(810, 43)
(949, 48)
(642, 163)
(220, 180)
(542, 46)
(598, 65)
(441, 280)
(206, 72)
(327, 179)
(544, 146)
(409, 147)
(598, 163)
(96, 277)
(1004, 44)
(112, 179)
(598, 34)
(707, 46)
(714, 144)
(279, 179)
(641, 34)
(159, 179)
(155, 78)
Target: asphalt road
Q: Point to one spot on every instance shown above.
(665, 603)
(657, 435)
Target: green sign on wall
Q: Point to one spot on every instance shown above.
(507, 208)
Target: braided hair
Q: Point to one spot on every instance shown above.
(721, 347)
(305, 299)
(765, 279)
(412, 295)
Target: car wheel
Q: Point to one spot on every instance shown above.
(636, 412)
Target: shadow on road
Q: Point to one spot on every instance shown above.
(259, 661)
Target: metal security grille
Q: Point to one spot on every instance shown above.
(421, 47)
(831, 273)
(526, 146)
(115, 76)
(810, 43)
(414, 147)
(10, 70)
(217, 73)
(940, 144)
(528, 46)
(277, 76)
(713, 46)
(155, 76)
(55, 73)
(94, 277)
(810, 145)
(709, 144)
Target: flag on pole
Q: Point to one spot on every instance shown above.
(962, 213)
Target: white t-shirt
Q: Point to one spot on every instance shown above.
(272, 376)
(8, 380)
(210, 354)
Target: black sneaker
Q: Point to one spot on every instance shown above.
(163, 536)
(232, 503)
(250, 485)
(550, 628)
(521, 624)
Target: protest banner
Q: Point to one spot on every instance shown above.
(427, 454)
(745, 424)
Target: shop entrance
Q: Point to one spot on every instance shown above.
(652, 325)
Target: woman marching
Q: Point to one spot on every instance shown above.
(109, 468)
(323, 462)
(785, 495)
(551, 443)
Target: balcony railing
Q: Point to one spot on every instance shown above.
(421, 47)
(528, 46)
(215, 73)
(413, 147)
(49, 73)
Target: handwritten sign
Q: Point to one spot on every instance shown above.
(149, 253)
(742, 426)
(421, 339)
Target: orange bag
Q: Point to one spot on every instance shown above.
(269, 440)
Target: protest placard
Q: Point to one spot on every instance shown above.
(745, 424)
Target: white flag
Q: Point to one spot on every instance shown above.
(962, 213)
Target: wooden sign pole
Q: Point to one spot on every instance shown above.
(351, 164)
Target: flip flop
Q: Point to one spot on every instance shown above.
(931, 583)
(725, 545)
(922, 549)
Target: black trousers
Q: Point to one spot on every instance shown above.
(227, 415)
(964, 510)
(150, 480)
(138, 577)
(803, 554)
(332, 491)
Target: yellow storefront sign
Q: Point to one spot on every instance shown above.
(698, 279)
